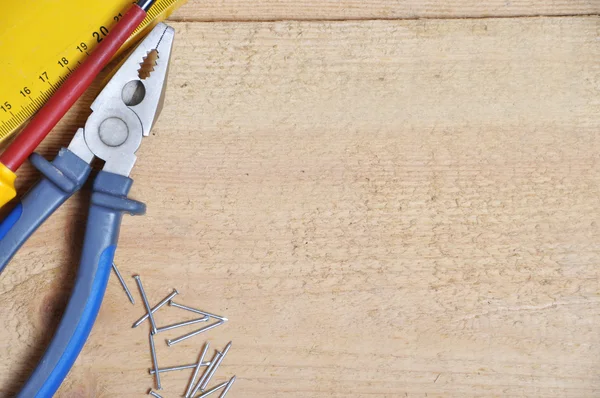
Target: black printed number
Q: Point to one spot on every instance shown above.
(63, 62)
(102, 33)
(43, 77)
(6, 106)
(25, 92)
(82, 47)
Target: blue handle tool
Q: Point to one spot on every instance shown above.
(109, 202)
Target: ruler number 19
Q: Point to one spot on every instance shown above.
(82, 47)
(6, 106)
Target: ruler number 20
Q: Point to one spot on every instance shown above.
(98, 35)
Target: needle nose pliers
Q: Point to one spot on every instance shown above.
(122, 114)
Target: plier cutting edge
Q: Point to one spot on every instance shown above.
(122, 114)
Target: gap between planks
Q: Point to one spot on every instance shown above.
(367, 19)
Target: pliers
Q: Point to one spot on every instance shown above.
(122, 114)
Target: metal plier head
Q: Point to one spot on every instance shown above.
(126, 109)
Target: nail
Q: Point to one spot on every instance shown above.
(213, 369)
(181, 367)
(192, 334)
(153, 351)
(185, 307)
(181, 324)
(191, 385)
(156, 308)
(206, 372)
(216, 388)
(154, 394)
(145, 299)
(127, 291)
(226, 390)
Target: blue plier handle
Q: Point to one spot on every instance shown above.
(122, 114)
(108, 203)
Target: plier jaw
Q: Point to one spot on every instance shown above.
(126, 109)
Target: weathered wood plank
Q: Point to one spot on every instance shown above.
(382, 209)
(261, 10)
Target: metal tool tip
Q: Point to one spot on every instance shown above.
(169, 343)
(145, 4)
(136, 277)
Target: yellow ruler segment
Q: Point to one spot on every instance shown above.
(42, 41)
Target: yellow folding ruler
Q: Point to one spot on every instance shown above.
(42, 41)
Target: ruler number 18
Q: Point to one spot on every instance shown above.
(63, 62)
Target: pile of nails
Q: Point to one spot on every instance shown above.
(193, 388)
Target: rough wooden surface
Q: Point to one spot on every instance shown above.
(382, 209)
(261, 10)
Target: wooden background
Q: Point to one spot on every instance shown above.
(386, 198)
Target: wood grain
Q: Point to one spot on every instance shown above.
(267, 10)
(382, 209)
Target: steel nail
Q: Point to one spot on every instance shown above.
(153, 351)
(181, 367)
(156, 308)
(145, 299)
(154, 394)
(213, 369)
(185, 307)
(195, 333)
(206, 372)
(122, 281)
(181, 324)
(191, 385)
(216, 388)
(226, 390)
